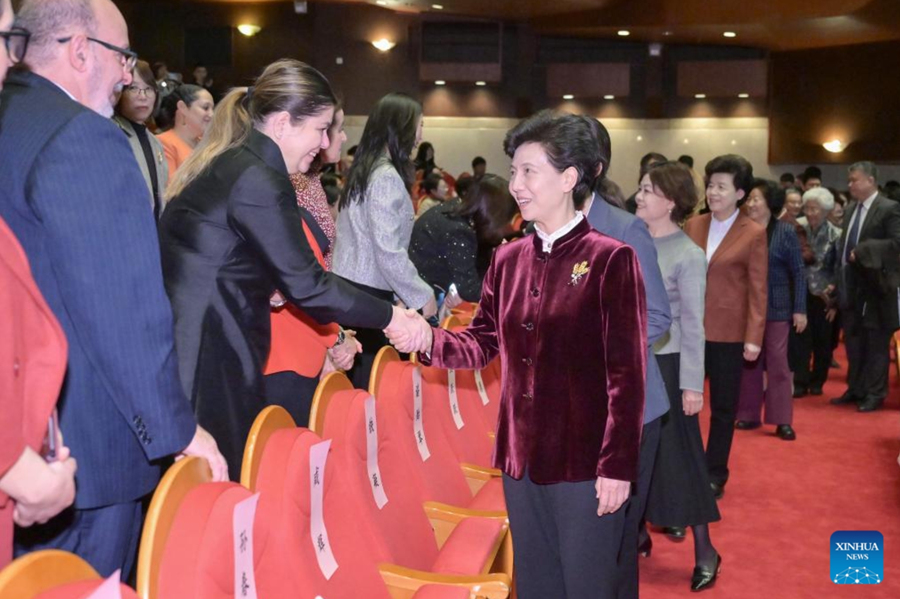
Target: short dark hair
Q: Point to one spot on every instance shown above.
(651, 157)
(478, 161)
(773, 194)
(686, 160)
(187, 93)
(463, 183)
(811, 172)
(787, 178)
(489, 206)
(603, 145)
(566, 140)
(675, 181)
(736, 166)
(142, 70)
(430, 182)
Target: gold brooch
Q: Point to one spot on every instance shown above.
(578, 271)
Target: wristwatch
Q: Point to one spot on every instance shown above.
(340, 338)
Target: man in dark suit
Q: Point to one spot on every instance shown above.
(869, 287)
(627, 228)
(78, 204)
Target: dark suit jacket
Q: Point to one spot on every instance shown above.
(870, 285)
(574, 354)
(736, 281)
(78, 204)
(631, 230)
(228, 241)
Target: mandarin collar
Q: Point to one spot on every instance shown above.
(267, 150)
(569, 239)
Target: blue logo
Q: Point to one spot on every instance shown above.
(857, 557)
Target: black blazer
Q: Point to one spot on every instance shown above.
(870, 284)
(229, 240)
(78, 204)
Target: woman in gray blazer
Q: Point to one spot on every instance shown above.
(376, 218)
(137, 104)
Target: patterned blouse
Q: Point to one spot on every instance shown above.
(824, 241)
(311, 196)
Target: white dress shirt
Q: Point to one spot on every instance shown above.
(559, 233)
(718, 229)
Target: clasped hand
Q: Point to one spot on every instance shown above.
(408, 331)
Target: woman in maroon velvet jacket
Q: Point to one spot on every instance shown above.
(565, 309)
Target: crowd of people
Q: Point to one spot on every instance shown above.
(269, 257)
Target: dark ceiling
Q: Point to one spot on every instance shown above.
(770, 24)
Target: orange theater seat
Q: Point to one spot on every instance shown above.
(52, 574)
(439, 476)
(289, 567)
(402, 531)
(187, 547)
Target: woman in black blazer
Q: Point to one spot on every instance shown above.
(232, 235)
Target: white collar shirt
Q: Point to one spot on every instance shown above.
(550, 239)
(717, 232)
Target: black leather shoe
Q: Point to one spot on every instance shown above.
(785, 432)
(815, 390)
(834, 364)
(704, 578)
(870, 404)
(675, 533)
(718, 490)
(645, 548)
(799, 391)
(844, 399)
(746, 425)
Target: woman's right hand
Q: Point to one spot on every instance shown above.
(691, 402)
(52, 492)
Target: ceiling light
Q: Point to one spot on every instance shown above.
(381, 2)
(734, 142)
(568, 97)
(609, 97)
(437, 6)
(248, 30)
(440, 82)
(480, 83)
(667, 33)
(383, 44)
(640, 138)
(835, 146)
(624, 32)
(686, 141)
(743, 95)
(730, 34)
(700, 96)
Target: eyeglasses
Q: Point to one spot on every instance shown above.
(127, 57)
(134, 90)
(16, 41)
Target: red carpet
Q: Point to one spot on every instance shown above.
(785, 499)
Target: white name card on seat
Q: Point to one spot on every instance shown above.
(482, 391)
(242, 521)
(418, 416)
(318, 456)
(454, 399)
(110, 589)
(375, 480)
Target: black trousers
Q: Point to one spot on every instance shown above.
(724, 366)
(628, 558)
(869, 357)
(372, 341)
(816, 343)
(562, 548)
(292, 392)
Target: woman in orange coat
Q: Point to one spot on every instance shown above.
(32, 366)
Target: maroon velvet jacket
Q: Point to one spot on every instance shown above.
(574, 352)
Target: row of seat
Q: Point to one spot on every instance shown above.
(408, 504)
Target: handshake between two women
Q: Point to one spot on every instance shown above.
(408, 331)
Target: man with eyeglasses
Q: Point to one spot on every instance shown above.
(76, 200)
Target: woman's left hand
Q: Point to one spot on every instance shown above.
(691, 402)
(751, 352)
(611, 494)
(800, 322)
(343, 355)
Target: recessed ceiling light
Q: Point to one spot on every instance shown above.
(248, 29)
(700, 96)
(609, 97)
(730, 34)
(381, 2)
(383, 44)
(835, 146)
(437, 6)
(568, 97)
(440, 82)
(743, 95)
(734, 142)
(667, 33)
(686, 141)
(640, 138)
(480, 83)
(624, 32)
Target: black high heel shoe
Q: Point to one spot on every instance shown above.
(645, 548)
(704, 578)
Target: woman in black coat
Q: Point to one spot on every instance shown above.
(233, 235)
